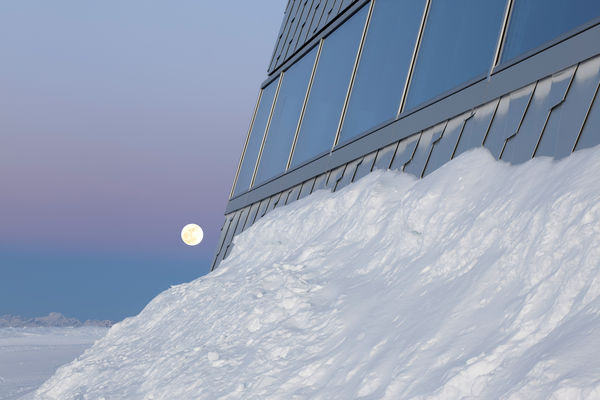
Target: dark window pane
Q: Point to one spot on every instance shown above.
(255, 140)
(329, 89)
(534, 22)
(284, 121)
(458, 44)
(384, 65)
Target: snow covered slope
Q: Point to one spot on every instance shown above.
(480, 281)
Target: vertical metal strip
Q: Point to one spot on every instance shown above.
(537, 144)
(237, 173)
(487, 131)
(262, 144)
(587, 114)
(353, 76)
(520, 122)
(413, 61)
(286, 18)
(305, 102)
(502, 37)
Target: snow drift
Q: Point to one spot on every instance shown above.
(480, 281)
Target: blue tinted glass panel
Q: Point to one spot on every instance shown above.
(384, 65)
(255, 140)
(329, 89)
(534, 22)
(458, 44)
(284, 121)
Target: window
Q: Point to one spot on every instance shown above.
(256, 136)
(284, 122)
(329, 89)
(535, 22)
(384, 65)
(458, 44)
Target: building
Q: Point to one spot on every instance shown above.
(409, 84)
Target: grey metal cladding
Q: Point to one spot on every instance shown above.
(334, 176)
(384, 156)
(273, 202)
(262, 208)
(404, 152)
(417, 163)
(549, 93)
(590, 133)
(242, 221)
(220, 247)
(282, 45)
(567, 119)
(283, 199)
(327, 14)
(320, 182)
(303, 19)
(345, 4)
(251, 216)
(476, 127)
(230, 232)
(301, 28)
(294, 193)
(314, 26)
(333, 9)
(365, 167)
(279, 42)
(443, 149)
(348, 175)
(508, 118)
(307, 188)
(295, 26)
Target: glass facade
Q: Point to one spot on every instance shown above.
(329, 89)
(284, 122)
(535, 22)
(255, 140)
(458, 44)
(384, 65)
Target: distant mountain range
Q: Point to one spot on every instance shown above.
(54, 319)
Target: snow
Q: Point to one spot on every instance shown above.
(29, 356)
(481, 280)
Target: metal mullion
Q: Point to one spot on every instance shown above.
(413, 60)
(353, 75)
(262, 144)
(502, 37)
(305, 102)
(237, 173)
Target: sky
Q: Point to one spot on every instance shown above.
(120, 122)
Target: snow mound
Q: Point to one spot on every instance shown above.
(480, 281)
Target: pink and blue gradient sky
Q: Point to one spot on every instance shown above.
(120, 122)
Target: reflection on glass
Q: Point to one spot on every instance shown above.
(284, 121)
(329, 89)
(534, 22)
(256, 136)
(458, 44)
(384, 65)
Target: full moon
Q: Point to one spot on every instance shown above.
(191, 234)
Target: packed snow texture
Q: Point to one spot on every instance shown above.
(29, 356)
(480, 281)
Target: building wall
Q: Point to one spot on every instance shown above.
(409, 86)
